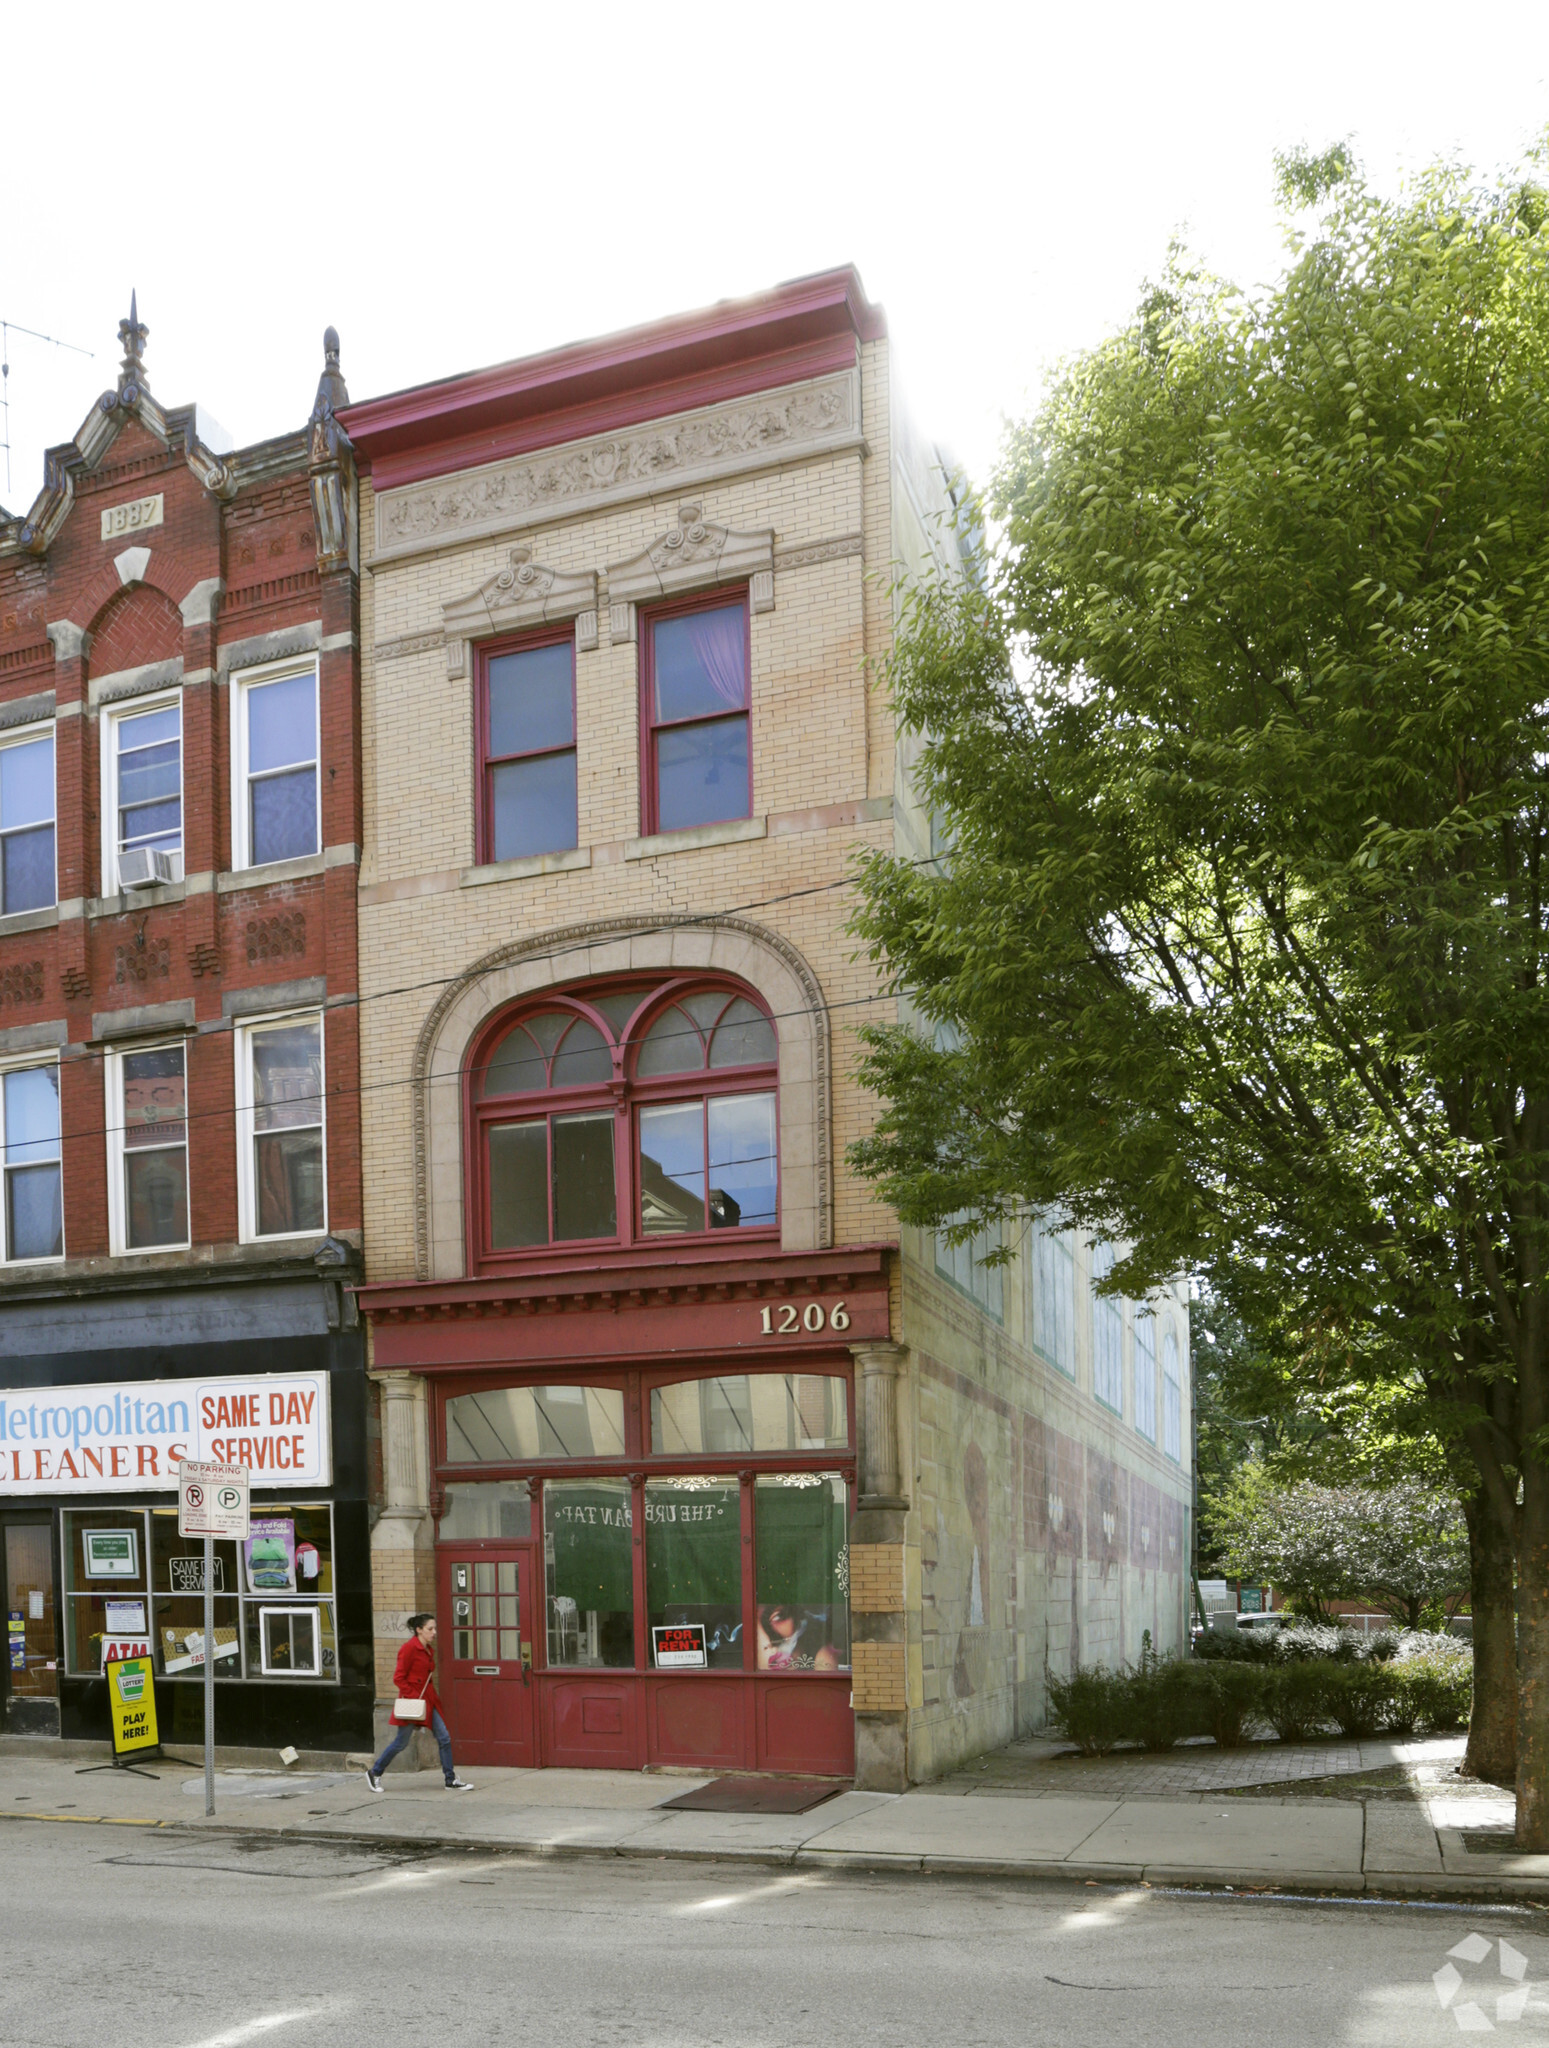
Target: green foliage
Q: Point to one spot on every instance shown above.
(1091, 1706)
(1304, 179)
(1358, 1696)
(1296, 1698)
(1231, 1695)
(1243, 749)
(1162, 1705)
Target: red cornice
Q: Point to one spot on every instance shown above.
(656, 1275)
(804, 329)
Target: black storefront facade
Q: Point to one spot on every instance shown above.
(101, 1387)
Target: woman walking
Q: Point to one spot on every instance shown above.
(414, 1678)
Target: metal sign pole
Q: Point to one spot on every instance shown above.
(209, 1675)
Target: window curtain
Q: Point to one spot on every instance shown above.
(720, 646)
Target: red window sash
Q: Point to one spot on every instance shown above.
(484, 760)
(651, 725)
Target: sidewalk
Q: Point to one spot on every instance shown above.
(1065, 1818)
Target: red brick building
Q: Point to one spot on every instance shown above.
(180, 806)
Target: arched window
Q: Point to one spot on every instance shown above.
(624, 1114)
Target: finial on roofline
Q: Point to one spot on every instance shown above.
(132, 334)
(332, 391)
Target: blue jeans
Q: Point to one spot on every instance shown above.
(401, 1738)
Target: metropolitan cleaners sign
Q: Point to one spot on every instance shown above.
(130, 1437)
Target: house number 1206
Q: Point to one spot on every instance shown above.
(788, 1318)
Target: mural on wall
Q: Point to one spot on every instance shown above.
(969, 1664)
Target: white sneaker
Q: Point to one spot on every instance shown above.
(459, 1785)
(373, 1781)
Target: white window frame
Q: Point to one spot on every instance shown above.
(1172, 1394)
(1146, 1322)
(1052, 1294)
(111, 718)
(241, 684)
(118, 1208)
(20, 736)
(247, 1124)
(25, 1066)
(268, 1670)
(1107, 1334)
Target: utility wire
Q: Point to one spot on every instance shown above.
(7, 329)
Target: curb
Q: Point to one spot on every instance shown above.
(1377, 1887)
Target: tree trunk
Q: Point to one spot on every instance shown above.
(1533, 1661)
(1492, 1581)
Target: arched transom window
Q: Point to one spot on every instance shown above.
(623, 1113)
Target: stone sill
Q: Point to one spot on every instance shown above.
(524, 870)
(690, 841)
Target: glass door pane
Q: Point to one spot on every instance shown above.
(31, 1652)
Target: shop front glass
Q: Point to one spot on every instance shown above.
(132, 1582)
(743, 1568)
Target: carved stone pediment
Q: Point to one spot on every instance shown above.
(523, 594)
(695, 555)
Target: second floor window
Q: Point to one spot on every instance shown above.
(527, 751)
(275, 815)
(280, 1120)
(145, 795)
(1145, 1374)
(1107, 1335)
(1172, 1395)
(148, 1148)
(27, 824)
(625, 1114)
(1054, 1294)
(33, 1214)
(697, 767)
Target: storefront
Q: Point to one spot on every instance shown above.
(642, 1528)
(93, 1562)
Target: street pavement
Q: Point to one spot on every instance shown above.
(161, 1938)
(1048, 1825)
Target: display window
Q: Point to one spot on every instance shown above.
(129, 1574)
(743, 1568)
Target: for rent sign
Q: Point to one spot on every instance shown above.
(131, 1438)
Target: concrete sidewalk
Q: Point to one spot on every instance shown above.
(1347, 1845)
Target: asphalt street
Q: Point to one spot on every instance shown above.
(133, 1937)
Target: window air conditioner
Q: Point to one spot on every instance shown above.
(146, 867)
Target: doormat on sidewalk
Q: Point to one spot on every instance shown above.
(756, 1795)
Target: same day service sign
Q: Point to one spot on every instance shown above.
(130, 1437)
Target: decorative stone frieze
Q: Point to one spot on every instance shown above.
(694, 555)
(523, 594)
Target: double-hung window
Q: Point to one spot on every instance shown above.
(282, 1178)
(1107, 1335)
(1054, 1294)
(1145, 1373)
(526, 716)
(27, 879)
(33, 1212)
(275, 802)
(1172, 1396)
(148, 1148)
(697, 766)
(143, 793)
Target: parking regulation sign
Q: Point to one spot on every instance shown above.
(212, 1500)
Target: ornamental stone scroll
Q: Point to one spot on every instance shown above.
(695, 555)
(523, 594)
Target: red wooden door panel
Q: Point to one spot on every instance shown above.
(487, 1612)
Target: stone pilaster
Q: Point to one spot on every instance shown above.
(878, 1620)
(403, 1558)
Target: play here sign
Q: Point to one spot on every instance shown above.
(131, 1437)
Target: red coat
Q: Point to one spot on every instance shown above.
(414, 1676)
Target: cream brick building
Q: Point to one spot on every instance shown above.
(835, 1502)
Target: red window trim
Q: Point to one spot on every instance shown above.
(721, 599)
(637, 1385)
(484, 761)
(624, 1094)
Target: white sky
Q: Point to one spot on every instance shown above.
(454, 185)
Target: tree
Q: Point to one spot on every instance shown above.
(1241, 744)
(1402, 1547)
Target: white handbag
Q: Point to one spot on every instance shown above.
(413, 1709)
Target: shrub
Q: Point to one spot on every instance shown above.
(1229, 1695)
(1092, 1707)
(1319, 1639)
(1296, 1702)
(1360, 1696)
(1434, 1677)
(1236, 1646)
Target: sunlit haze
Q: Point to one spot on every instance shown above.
(455, 188)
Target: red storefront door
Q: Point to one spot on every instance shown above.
(488, 1611)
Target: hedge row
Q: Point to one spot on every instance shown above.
(1166, 1702)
